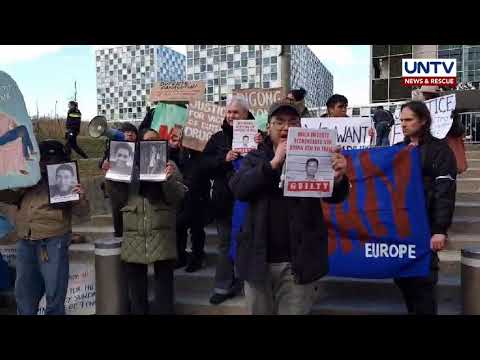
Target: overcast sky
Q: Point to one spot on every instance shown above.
(46, 73)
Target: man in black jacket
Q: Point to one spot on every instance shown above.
(117, 191)
(282, 248)
(439, 170)
(74, 119)
(217, 161)
(193, 214)
(383, 121)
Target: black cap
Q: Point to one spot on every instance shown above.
(52, 150)
(282, 104)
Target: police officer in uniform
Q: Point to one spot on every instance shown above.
(74, 118)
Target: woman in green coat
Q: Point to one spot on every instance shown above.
(149, 237)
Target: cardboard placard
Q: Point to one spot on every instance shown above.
(204, 120)
(260, 100)
(177, 92)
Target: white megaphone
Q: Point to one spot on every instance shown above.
(98, 127)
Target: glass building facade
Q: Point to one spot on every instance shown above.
(126, 74)
(225, 68)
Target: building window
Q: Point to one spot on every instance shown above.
(379, 50)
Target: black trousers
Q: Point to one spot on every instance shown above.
(118, 193)
(191, 217)
(419, 293)
(137, 280)
(71, 137)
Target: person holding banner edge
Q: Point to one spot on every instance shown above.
(282, 247)
(217, 163)
(439, 170)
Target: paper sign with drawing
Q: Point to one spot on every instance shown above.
(19, 154)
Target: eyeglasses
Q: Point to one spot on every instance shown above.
(281, 124)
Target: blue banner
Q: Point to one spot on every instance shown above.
(381, 230)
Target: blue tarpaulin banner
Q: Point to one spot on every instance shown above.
(381, 230)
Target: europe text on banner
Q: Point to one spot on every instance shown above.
(381, 230)
(352, 132)
(204, 120)
(19, 154)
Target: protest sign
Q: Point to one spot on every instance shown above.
(168, 115)
(244, 132)
(352, 132)
(381, 230)
(178, 91)
(441, 111)
(204, 120)
(81, 291)
(309, 170)
(260, 100)
(9, 254)
(396, 133)
(19, 154)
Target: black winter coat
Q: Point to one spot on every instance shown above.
(439, 170)
(256, 182)
(74, 119)
(219, 170)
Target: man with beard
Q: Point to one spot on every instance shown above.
(65, 177)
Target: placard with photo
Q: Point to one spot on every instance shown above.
(153, 161)
(62, 178)
(122, 155)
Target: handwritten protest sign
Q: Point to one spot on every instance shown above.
(309, 171)
(9, 254)
(441, 111)
(259, 101)
(19, 154)
(244, 132)
(80, 298)
(352, 132)
(204, 120)
(179, 91)
(396, 133)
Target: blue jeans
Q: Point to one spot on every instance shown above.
(37, 276)
(14, 134)
(383, 131)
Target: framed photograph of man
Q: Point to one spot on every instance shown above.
(62, 178)
(122, 155)
(153, 160)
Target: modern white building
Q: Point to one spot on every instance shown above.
(126, 74)
(228, 67)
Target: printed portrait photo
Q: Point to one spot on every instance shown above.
(122, 156)
(153, 160)
(62, 178)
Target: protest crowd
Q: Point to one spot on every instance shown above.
(272, 248)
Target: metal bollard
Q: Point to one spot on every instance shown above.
(111, 289)
(471, 281)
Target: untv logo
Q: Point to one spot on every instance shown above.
(440, 72)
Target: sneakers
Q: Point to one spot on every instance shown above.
(194, 264)
(180, 264)
(217, 299)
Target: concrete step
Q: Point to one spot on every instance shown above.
(473, 154)
(468, 185)
(472, 147)
(458, 241)
(467, 196)
(466, 224)
(467, 208)
(198, 304)
(470, 173)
